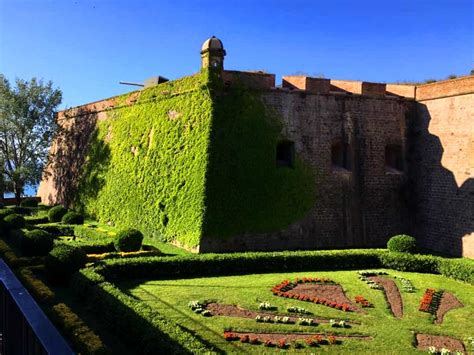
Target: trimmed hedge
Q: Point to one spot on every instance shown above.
(33, 220)
(5, 212)
(402, 243)
(83, 338)
(29, 202)
(128, 240)
(40, 291)
(56, 213)
(135, 322)
(89, 232)
(244, 263)
(72, 218)
(64, 260)
(14, 221)
(36, 242)
(92, 247)
(57, 229)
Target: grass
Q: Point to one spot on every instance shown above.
(165, 248)
(390, 335)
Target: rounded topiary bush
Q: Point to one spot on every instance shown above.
(14, 221)
(63, 261)
(56, 213)
(128, 240)
(402, 243)
(36, 242)
(72, 218)
(29, 202)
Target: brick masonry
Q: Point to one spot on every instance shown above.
(432, 198)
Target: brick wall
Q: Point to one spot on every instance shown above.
(357, 208)
(442, 166)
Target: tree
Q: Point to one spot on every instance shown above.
(27, 125)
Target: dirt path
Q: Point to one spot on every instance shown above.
(392, 294)
(448, 302)
(228, 310)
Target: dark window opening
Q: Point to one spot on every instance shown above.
(341, 156)
(394, 157)
(285, 154)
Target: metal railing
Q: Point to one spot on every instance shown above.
(24, 328)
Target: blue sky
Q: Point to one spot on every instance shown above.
(87, 46)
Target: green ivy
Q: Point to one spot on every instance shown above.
(189, 159)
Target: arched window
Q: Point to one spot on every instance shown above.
(341, 155)
(394, 157)
(285, 153)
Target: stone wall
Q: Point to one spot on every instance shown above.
(358, 208)
(442, 166)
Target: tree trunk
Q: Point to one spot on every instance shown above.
(18, 192)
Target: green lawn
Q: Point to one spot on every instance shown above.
(390, 335)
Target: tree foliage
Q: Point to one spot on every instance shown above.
(27, 125)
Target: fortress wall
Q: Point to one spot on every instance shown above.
(442, 166)
(357, 208)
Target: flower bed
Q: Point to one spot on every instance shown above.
(362, 301)
(289, 289)
(430, 301)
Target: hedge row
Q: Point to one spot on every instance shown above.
(93, 247)
(83, 338)
(244, 263)
(147, 331)
(57, 229)
(38, 288)
(88, 232)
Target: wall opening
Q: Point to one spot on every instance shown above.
(285, 154)
(341, 156)
(393, 157)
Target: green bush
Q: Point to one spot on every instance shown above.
(5, 212)
(402, 243)
(84, 339)
(57, 229)
(2, 205)
(267, 262)
(90, 232)
(56, 213)
(72, 218)
(92, 246)
(142, 328)
(23, 210)
(64, 260)
(128, 240)
(14, 221)
(36, 242)
(29, 202)
(32, 220)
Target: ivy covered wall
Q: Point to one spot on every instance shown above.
(246, 191)
(190, 159)
(147, 162)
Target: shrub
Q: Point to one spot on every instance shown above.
(33, 220)
(29, 202)
(84, 339)
(64, 260)
(40, 291)
(57, 229)
(14, 221)
(5, 212)
(36, 242)
(128, 240)
(402, 243)
(140, 326)
(56, 213)
(72, 218)
(93, 246)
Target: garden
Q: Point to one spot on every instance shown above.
(114, 291)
